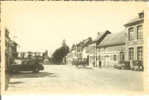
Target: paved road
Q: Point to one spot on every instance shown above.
(71, 79)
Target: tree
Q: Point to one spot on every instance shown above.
(60, 53)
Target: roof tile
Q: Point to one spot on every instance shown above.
(113, 39)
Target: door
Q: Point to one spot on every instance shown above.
(107, 61)
(122, 56)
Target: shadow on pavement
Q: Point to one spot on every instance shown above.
(33, 75)
(18, 82)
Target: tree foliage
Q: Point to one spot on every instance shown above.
(59, 54)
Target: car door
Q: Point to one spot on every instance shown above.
(26, 65)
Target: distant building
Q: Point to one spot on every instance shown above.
(69, 58)
(86, 50)
(91, 51)
(72, 55)
(33, 55)
(79, 49)
(111, 50)
(92, 48)
(134, 38)
(79, 52)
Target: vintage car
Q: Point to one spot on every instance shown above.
(26, 65)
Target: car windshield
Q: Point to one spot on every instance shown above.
(25, 62)
(28, 61)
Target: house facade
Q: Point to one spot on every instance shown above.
(86, 50)
(92, 48)
(111, 50)
(69, 58)
(10, 49)
(79, 52)
(134, 39)
(72, 55)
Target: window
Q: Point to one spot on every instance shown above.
(131, 34)
(141, 15)
(131, 53)
(140, 53)
(114, 57)
(122, 56)
(140, 32)
(99, 58)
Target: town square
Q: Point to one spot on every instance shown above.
(70, 79)
(73, 48)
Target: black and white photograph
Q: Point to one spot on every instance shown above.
(73, 47)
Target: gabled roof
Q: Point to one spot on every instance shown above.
(85, 42)
(101, 36)
(113, 39)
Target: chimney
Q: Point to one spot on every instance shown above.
(141, 14)
(98, 34)
(108, 32)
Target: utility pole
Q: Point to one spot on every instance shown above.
(96, 52)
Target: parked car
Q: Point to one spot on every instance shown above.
(26, 65)
(82, 62)
(123, 65)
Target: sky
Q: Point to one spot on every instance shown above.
(40, 26)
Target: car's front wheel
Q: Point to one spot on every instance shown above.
(36, 70)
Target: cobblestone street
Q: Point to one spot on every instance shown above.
(73, 79)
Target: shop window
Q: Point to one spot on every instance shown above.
(140, 53)
(99, 58)
(122, 56)
(114, 58)
(131, 53)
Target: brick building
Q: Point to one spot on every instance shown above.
(111, 50)
(134, 39)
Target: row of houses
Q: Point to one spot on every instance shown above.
(110, 49)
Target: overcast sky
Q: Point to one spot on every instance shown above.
(39, 26)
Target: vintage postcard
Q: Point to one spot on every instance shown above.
(74, 47)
